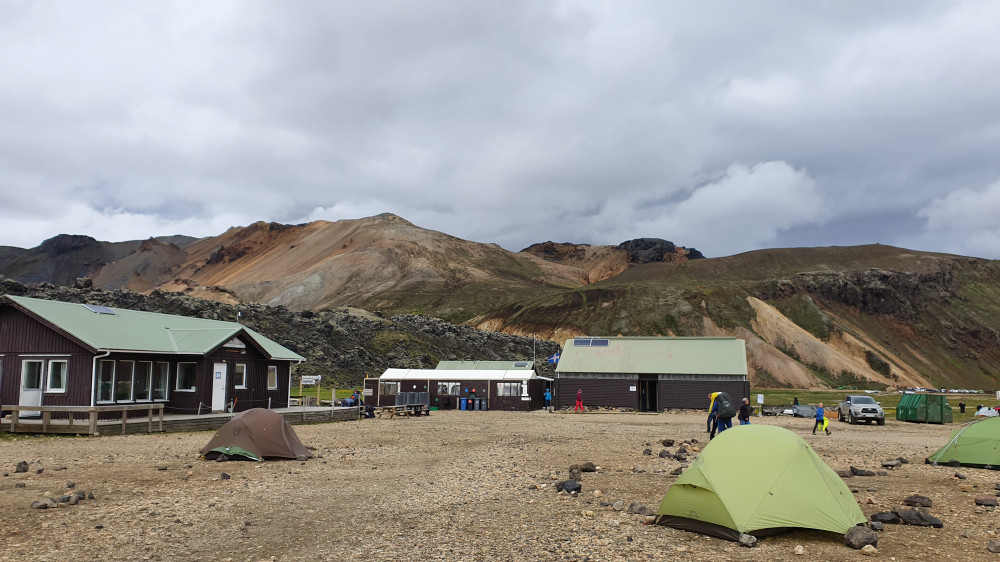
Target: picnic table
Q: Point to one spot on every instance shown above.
(405, 410)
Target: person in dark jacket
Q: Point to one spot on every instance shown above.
(744, 415)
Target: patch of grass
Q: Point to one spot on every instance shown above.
(803, 312)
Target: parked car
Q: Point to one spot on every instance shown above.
(860, 408)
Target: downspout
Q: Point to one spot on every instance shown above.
(93, 378)
(288, 399)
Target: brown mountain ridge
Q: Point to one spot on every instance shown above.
(812, 317)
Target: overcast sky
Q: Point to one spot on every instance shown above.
(724, 126)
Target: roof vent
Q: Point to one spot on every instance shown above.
(521, 364)
(100, 309)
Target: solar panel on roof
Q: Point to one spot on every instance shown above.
(581, 343)
(99, 309)
(521, 364)
(598, 343)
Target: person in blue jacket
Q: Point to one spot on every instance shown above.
(548, 399)
(819, 419)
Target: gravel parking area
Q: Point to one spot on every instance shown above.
(454, 485)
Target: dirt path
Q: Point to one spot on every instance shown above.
(455, 485)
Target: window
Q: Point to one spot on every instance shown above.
(449, 388)
(123, 381)
(186, 374)
(31, 375)
(57, 376)
(160, 376)
(508, 389)
(240, 376)
(106, 381)
(143, 379)
(272, 377)
(388, 388)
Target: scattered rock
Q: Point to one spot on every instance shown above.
(588, 467)
(664, 454)
(647, 451)
(638, 468)
(575, 473)
(224, 476)
(667, 442)
(861, 472)
(882, 473)
(886, 517)
(44, 503)
(618, 505)
(960, 476)
(917, 500)
(859, 536)
(989, 501)
(39, 471)
(870, 500)
(639, 509)
(798, 550)
(918, 518)
(869, 550)
(21, 467)
(903, 460)
(877, 526)
(746, 540)
(993, 546)
(844, 473)
(19, 484)
(568, 486)
(892, 464)
(677, 471)
(70, 484)
(161, 467)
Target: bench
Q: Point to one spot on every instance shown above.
(405, 410)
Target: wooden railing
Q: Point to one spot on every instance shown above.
(47, 425)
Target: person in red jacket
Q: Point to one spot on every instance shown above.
(579, 401)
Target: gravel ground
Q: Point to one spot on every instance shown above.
(454, 485)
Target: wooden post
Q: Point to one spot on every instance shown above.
(149, 422)
(46, 417)
(124, 420)
(161, 417)
(93, 421)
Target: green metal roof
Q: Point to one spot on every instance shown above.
(119, 329)
(484, 365)
(654, 355)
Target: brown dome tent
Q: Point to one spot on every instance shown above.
(256, 434)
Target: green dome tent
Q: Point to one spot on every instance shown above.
(256, 434)
(976, 444)
(758, 479)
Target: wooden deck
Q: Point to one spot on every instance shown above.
(171, 422)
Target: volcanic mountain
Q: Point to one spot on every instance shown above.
(874, 316)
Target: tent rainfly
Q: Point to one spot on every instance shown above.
(256, 434)
(758, 479)
(976, 444)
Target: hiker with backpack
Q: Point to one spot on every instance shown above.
(726, 411)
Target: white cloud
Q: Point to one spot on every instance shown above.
(743, 209)
(965, 222)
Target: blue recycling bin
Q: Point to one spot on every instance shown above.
(485, 401)
(461, 405)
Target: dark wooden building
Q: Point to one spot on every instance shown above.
(490, 389)
(650, 373)
(66, 354)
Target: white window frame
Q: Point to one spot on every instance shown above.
(147, 376)
(121, 377)
(100, 381)
(48, 376)
(272, 377)
(166, 382)
(194, 381)
(237, 383)
(508, 389)
(41, 372)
